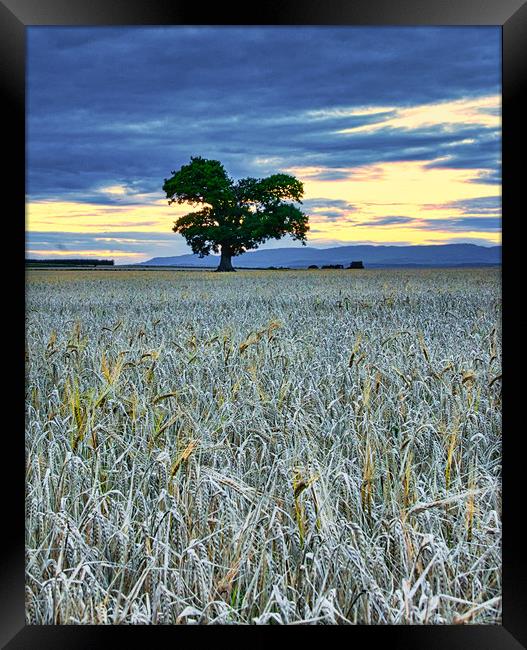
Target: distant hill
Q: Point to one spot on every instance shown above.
(372, 256)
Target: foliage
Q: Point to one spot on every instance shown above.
(235, 216)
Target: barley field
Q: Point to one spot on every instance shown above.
(263, 447)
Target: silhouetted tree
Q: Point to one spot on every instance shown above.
(235, 216)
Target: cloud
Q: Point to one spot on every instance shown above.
(379, 115)
(329, 215)
(110, 106)
(54, 238)
(388, 221)
(470, 224)
(321, 202)
(483, 205)
(305, 68)
(487, 177)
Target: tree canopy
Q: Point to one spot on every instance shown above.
(235, 216)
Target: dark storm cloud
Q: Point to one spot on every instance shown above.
(127, 106)
(100, 155)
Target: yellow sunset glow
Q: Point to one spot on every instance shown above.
(467, 112)
(407, 183)
(70, 216)
(114, 190)
(394, 134)
(406, 189)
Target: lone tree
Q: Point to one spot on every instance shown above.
(235, 216)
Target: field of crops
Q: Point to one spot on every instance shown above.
(263, 447)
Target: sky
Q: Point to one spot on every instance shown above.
(395, 132)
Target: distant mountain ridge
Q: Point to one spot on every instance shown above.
(372, 256)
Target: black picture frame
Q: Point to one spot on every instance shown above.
(511, 15)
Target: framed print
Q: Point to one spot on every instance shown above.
(263, 280)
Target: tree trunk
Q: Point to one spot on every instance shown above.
(225, 261)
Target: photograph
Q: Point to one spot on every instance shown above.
(263, 325)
